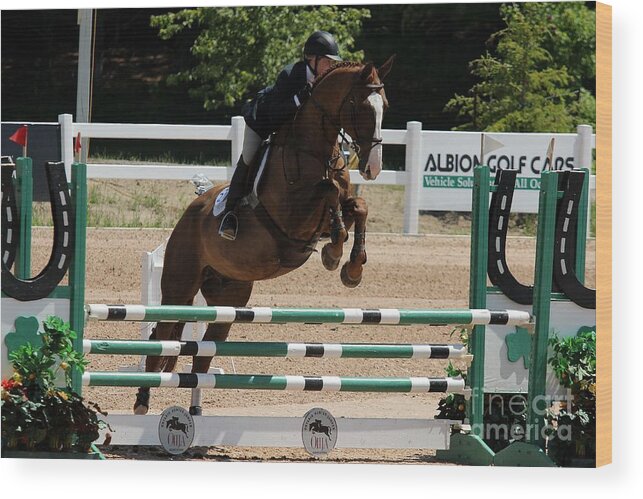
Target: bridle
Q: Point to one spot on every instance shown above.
(349, 98)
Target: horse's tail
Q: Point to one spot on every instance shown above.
(168, 364)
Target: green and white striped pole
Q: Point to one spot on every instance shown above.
(382, 316)
(274, 349)
(269, 382)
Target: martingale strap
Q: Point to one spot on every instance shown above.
(292, 252)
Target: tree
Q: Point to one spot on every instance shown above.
(534, 81)
(239, 50)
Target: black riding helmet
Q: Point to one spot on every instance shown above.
(322, 43)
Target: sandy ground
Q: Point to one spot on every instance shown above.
(402, 271)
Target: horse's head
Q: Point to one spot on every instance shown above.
(361, 116)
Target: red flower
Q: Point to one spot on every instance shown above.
(8, 384)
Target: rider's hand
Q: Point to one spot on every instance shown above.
(304, 94)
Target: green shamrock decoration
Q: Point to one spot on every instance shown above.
(26, 332)
(519, 345)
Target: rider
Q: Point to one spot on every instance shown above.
(271, 108)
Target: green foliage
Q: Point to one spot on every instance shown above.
(39, 366)
(454, 405)
(239, 50)
(36, 412)
(505, 419)
(572, 39)
(536, 79)
(574, 363)
(574, 360)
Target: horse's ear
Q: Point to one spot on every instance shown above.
(367, 71)
(386, 67)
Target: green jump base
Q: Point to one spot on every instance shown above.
(523, 455)
(471, 450)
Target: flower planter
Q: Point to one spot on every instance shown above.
(42, 418)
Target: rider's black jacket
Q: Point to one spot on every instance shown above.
(275, 105)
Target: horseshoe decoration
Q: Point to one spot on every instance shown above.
(62, 212)
(10, 222)
(565, 246)
(500, 274)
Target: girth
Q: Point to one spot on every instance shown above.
(293, 253)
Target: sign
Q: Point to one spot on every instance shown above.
(319, 432)
(449, 159)
(176, 430)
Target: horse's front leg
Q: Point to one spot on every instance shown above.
(355, 210)
(332, 252)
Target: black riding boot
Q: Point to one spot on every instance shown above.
(229, 223)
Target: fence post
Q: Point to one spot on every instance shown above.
(83, 92)
(583, 147)
(583, 159)
(67, 141)
(238, 128)
(413, 166)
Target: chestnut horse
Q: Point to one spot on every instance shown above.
(302, 192)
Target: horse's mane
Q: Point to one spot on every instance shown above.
(338, 65)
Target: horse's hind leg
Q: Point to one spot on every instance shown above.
(154, 364)
(179, 284)
(332, 252)
(217, 291)
(355, 210)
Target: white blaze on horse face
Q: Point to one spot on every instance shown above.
(374, 165)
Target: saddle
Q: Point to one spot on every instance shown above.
(255, 173)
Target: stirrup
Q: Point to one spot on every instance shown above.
(229, 226)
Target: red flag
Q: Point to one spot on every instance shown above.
(77, 145)
(20, 137)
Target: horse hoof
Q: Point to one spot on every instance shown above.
(347, 280)
(328, 261)
(196, 410)
(142, 404)
(140, 410)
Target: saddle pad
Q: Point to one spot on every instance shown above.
(219, 203)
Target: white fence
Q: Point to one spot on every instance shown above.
(438, 165)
